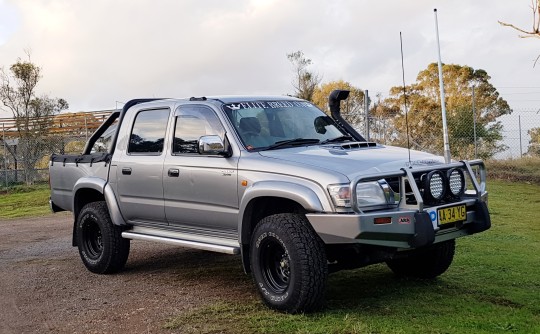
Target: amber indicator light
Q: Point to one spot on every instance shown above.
(382, 220)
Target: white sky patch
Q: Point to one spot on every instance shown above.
(94, 53)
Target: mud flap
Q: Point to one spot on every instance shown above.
(424, 234)
(482, 220)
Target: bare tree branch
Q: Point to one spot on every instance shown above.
(528, 33)
(535, 32)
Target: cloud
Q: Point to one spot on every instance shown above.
(95, 53)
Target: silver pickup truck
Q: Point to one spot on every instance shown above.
(296, 193)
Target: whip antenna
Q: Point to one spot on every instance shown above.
(447, 158)
(405, 99)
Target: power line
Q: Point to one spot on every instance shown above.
(519, 87)
(503, 93)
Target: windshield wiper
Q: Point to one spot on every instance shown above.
(293, 142)
(337, 139)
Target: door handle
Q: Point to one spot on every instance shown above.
(173, 172)
(126, 171)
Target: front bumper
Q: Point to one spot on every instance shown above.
(406, 226)
(408, 229)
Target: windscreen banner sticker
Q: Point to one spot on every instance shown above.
(266, 105)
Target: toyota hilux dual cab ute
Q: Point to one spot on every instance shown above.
(296, 193)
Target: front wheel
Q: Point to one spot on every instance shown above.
(288, 262)
(101, 246)
(428, 263)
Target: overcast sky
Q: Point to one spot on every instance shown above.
(95, 53)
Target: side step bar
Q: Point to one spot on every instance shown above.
(181, 239)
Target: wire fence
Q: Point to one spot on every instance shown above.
(519, 137)
(24, 156)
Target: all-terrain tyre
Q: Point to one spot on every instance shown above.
(101, 246)
(288, 262)
(428, 263)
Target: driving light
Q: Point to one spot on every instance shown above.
(434, 186)
(456, 182)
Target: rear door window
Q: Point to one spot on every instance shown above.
(148, 133)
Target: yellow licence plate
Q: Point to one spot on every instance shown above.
(452, 214)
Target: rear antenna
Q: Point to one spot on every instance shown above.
(405, 99)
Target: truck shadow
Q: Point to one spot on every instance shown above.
(375, 288)
(177, 264)
(369, 289)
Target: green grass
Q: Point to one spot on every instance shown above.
(493, 286)
(24, 201)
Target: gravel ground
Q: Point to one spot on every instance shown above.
(44, 287)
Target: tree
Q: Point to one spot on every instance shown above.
(534, 142)
(424, 116)
(304, 81)
(32, 113)
(535, 31)
(381, 122)
(352, 109)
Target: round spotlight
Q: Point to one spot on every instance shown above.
(434, 186)
(456, 182)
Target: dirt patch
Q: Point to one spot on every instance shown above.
(44, 287)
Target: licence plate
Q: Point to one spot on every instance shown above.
(452, 214)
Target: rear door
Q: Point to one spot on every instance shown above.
(200, 191)
(139, 169)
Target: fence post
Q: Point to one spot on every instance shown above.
(86, 127)
(474, 124)
(520, 146)
(366, 106)
(4, 153)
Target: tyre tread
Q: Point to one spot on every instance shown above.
(311, 259)
(112, 235)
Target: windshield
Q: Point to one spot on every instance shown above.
(262, 124)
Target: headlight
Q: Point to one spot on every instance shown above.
(370, 194)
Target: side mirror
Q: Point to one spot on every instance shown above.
(211, 145)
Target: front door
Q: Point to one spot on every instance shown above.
(200, 191)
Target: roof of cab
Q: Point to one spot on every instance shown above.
(224, 99)
(247, 98)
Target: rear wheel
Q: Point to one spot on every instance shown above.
(101, 246)
(289, 264)
(428, 263)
